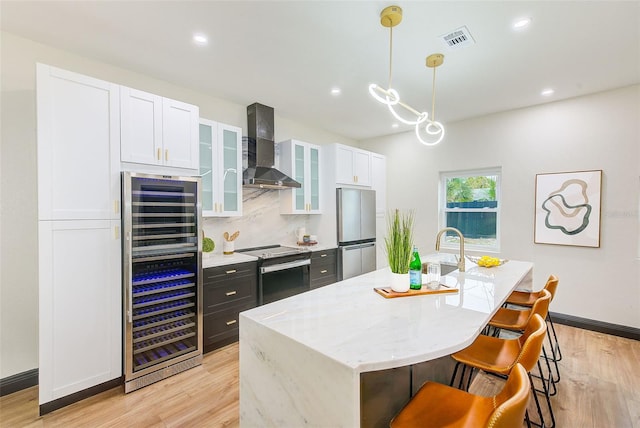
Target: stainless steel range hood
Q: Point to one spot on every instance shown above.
(260, 170)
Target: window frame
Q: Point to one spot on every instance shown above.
(443, 210)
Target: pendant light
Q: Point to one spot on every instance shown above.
(433, 131)
(390, 17)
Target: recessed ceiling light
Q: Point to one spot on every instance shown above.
(521, 23)
(547, 92)
(395, 125)
(335, 91)
(200, 39)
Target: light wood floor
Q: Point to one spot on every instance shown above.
(600, 387)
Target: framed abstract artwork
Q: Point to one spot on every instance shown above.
(568, 208)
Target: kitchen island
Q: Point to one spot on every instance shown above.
(344, 356)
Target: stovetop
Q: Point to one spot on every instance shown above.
(273, 251)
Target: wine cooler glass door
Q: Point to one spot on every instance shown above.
(162, 279)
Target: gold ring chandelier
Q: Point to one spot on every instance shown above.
(428, 131)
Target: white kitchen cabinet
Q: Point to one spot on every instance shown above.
(301, 161)
(221, 169)
(353, 166)
(78, 146)
(80, 312)
(80, 332)
(158, 131)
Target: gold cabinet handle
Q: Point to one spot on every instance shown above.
(166, 155)
(231, 271)
(232, 322)
(158, 154)
(116, 231)
(230, 293)
(116, 206)
(323, 271)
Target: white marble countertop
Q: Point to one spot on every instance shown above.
(219, 259)
(351, 324)
(215, 260)
(318, 247)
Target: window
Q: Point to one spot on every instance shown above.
(470, 202)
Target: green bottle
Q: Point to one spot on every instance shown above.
(415, 271)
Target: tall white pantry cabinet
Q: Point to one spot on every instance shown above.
(80, 314)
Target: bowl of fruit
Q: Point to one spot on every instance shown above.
(487, 261)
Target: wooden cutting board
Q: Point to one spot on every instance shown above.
(388, 293)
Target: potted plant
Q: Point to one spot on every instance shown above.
(207, 245)
(399, 245)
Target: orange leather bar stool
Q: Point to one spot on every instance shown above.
(499, 355)
(526, 299)
(436, 405)
(516, 320)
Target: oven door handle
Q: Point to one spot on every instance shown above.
(284, 266)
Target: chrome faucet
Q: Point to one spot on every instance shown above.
(461, 256)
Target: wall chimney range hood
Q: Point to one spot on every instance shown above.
(260, 170)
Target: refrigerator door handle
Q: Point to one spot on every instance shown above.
(358, 246)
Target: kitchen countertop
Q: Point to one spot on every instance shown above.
(218, 259)
(307, 352)
(317, 247)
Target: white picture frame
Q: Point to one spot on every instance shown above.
(568, 208)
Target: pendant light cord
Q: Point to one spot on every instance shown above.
(433, 96)
(390, 54)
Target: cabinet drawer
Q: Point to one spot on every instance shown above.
(221, 324)
(323, 263)
(228, 292)
(323, 268)
(323, 280)
(215, 274)
(327, 256)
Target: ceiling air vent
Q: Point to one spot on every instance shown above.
(458, 38)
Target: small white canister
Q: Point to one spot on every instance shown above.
(227, 247)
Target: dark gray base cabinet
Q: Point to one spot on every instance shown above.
(324, 267)
(227, 291)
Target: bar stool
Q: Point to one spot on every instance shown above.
(499, 355)
(436, 405)
(516, 320)
(526, 299)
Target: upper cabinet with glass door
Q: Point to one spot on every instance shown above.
(221, 169)
(301, 161)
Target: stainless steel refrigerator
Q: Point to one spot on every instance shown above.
(162, 246)
(356, 221)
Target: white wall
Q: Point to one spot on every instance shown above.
(18, 184)
(600, 131)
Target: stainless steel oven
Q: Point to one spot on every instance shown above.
(282, 272)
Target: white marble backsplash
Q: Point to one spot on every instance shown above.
(260, 224)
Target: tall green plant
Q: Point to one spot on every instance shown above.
(399, 240)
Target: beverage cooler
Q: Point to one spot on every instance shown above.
(161, 276)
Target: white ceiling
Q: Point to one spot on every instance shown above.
(289, 54)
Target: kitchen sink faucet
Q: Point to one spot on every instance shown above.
(461, 267)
